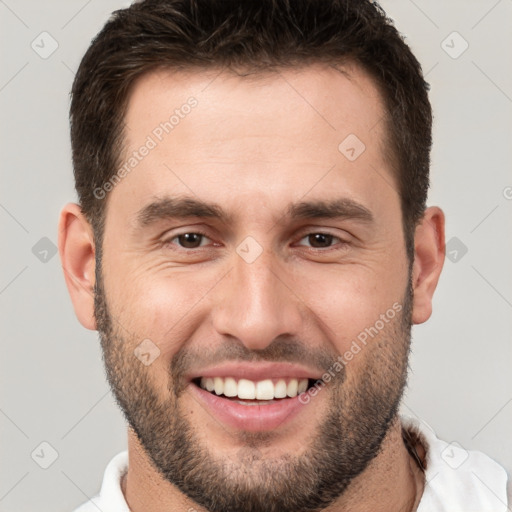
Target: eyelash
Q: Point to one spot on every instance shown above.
(340, 242)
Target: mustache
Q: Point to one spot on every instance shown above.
(281, 350)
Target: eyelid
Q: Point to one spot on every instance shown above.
(325, 230)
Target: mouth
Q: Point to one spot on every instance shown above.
(249, 392)
(251, 402)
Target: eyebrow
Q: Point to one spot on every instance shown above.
(336, 208)
(177, 208)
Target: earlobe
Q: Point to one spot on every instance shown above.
(77, 254)
(429, 252)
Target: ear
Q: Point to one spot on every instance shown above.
(429, 252)
(77, 255)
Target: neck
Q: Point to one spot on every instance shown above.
(392, 482)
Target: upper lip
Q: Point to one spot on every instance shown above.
(258, 371)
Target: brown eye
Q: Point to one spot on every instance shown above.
(189, 240)
(320, 240)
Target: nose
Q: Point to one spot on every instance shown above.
(255, 304)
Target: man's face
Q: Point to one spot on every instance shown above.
(298, 262)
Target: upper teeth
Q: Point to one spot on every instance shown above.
(249, 390)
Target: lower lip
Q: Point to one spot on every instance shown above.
(250, 418)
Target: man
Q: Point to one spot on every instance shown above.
(253, 245)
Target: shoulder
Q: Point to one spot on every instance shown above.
(456, 479)
(90, 506)
(111, 496)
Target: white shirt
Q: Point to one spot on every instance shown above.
(456, 480)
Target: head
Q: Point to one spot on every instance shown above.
(252, 181)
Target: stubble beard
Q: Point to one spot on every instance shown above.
(346, 440)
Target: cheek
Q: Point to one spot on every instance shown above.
(348, 302)
(162, 306)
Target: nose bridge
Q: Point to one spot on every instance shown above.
(255, 305)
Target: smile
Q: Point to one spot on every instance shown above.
(257, 392)
(254, 397)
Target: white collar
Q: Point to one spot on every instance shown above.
(457, 480)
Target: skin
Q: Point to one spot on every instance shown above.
(254, 145)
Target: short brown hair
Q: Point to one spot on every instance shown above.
(256, 35)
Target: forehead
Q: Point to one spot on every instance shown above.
(321, 96)
(213, 132)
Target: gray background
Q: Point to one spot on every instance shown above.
(52, 384)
